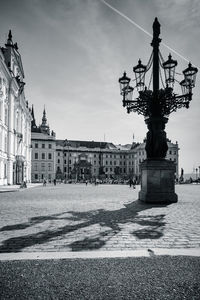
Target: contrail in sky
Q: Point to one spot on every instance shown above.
(139, 27)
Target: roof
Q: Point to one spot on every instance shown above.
(42, 136)
(124, 147)
(134, 145)
(85, 144)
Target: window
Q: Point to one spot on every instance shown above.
(49, 156)
(43, 167)
(94, 155)
(174, 152)
(36, 145)
(58, 161)
(65, 161)
(65, 169)
(50, 146)
(106, 162)
(43, 155)
(110, 169)
(5, 143)
(170, 152)
(36, 176)
(5, 171)
(43, 146)
(36, 155)
(35, 167)
(106, 169)
(115, 163)
(1, 110)
(110, 155)
(70, 161)
(94, 162)
(49, 166)
(6, 115)
(58, 153)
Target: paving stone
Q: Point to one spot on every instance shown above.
(76, 217)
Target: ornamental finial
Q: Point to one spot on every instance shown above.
(156, 28)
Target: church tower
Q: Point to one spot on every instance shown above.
(44, 127)
(33, 123)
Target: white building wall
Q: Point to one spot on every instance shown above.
(13, 104)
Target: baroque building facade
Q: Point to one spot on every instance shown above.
(15, 118)
(82, 160)
(86, 160)
(43, 145)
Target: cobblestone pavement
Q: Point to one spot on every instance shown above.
(104, 217)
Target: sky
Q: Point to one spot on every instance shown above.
(74, 51)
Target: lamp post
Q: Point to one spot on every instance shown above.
(155, 105)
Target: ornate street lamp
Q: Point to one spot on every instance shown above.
(124, 83)
(140, 71)
(169, 68)
(155, 105)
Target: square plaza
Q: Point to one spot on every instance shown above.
(77, 217)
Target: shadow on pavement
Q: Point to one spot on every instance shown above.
(112, 219)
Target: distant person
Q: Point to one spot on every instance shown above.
(54, 181)
(44, 182)
(86, 182)
(130, 182)
(23, 185)
(134, 183)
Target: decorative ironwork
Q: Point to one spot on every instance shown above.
(165, 101)
(157, 104)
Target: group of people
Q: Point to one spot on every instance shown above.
(45, 182)
(132, 183)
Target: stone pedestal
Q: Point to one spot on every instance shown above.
(157, 181)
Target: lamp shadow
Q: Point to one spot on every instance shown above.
(109, 224)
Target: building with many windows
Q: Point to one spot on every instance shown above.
(140, 155)
(89, 160)
(15, 118)
(86, 160)
(43, 145)
(82, 160)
